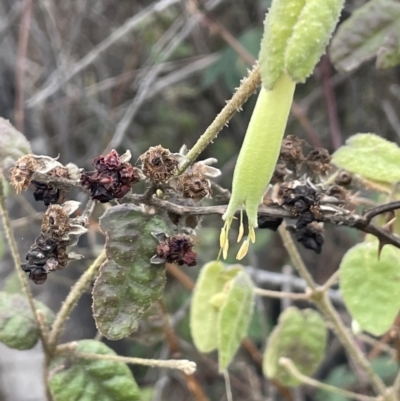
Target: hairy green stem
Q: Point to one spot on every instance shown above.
(320, 298)
(72, 299)
(292, 369)
(184, 365)
(247, 87)
(5, 219)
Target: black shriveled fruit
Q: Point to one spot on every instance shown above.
(269, 222)
(311, 237)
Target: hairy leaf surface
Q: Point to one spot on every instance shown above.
(204, 310)
(361, 37)
(128, 283)
(300, 335)
(371, 286)
(81, 379)
(234, 318)
(18, 327)
(371, 156)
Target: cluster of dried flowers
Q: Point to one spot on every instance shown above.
(298, 185)
(112, 178)
(51, 250)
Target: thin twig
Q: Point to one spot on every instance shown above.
(73, 297)
(332, 280)
(247, 87)
(55, 82)
(295, 256)
(21, 65)
(292, 369)
(281, 295)
(324, 304)
(188, 367)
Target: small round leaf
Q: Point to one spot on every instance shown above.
(234, 318)
(300, 335)
(371, 286)
(18, 328)
(204, 314)
(92, 380)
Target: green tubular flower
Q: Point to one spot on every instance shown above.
(296, 33)
(258, 155)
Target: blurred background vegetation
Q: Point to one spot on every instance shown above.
(81, 76)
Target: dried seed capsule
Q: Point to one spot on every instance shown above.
(318, 161)
(343, 178)
(159, 164)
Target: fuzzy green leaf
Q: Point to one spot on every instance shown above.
(13, 145)
(370, 286)
(128, 284)
(361, 37)
(300, 335)
(92, 380)
(18, 327)
(389, 54)
(234, 318)
(204, 314)
(371, 156)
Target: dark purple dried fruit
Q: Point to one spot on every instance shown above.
(178, 250)
(46, 193)
(112, 179)
(311, 237)
(301, 197)
(304, 220)
(269, 222)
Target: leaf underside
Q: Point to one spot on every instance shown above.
(128, 284)
(370, 31)
(300, 335)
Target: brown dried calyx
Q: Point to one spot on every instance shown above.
(319, 161)
(195, 182)
(113, 177)
(159, 164)
(291, 150)
(50, 252)
(33, 167)
(176, 249)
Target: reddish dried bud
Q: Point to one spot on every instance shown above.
(159, 164)
(111, 161)
(22, 172)
(112, 179)
(178, 250)
(318, 161)
(194, 185)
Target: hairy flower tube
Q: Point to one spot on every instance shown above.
(257, 158)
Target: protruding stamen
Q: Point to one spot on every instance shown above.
(243, 250)
(241, 228)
